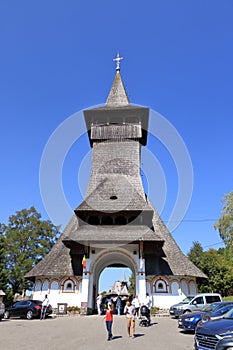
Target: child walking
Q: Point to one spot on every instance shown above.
(109, 319)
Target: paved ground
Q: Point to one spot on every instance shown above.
(88, 332)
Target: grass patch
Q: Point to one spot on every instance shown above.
(230, 298)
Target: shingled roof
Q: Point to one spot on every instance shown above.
(117, 110)
(117, 95)
(112, 234)
(118, 187)
(58, 261)
(179, 263)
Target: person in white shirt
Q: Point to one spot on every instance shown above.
(147, 301)
(136, 304)
(45, 304)
(98, 303)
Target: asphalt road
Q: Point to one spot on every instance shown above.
(88, 332)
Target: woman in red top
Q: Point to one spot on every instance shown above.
(109, 319)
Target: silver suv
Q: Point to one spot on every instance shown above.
(2, 310)
(194, 303)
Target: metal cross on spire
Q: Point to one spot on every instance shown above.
(118, 60)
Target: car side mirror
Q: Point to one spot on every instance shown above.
(195, 302)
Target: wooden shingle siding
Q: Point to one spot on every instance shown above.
(115, 194)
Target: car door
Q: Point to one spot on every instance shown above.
(15, 310)
(198, 303)
(24, 308)
(21, 308)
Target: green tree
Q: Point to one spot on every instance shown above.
(131, 287)
(27, 240)
(219, 271)
(8, 298)
(215, 266)
(225, 222)
(196, 254)
(3, 272)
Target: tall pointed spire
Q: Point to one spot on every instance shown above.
(117, 96)
(123, 277)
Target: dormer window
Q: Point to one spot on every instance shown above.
(160, 286)
(69, 286)
(113, 198)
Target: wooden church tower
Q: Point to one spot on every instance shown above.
(115, 225)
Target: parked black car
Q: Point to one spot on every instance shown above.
(209, 333)
(27, 309)
(225, 343)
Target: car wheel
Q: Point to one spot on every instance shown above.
(29, 315)
(186, 311)
(197, 324)
(6, 315)
(195, 345)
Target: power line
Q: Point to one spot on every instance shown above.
(213, 244)
(192, 220)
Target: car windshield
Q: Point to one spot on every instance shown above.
(187, 299)
(229, 314)
(212, 307)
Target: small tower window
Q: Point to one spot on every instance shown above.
(107, 220)
(120, 220)
(93, 220)
(113, 198)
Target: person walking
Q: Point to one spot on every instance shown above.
(45, 304)
(136, 304)
(118, 304)
(129, 312)
(147, 301)
(98, 303)
(109, 320)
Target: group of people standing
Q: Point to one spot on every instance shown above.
(118, 303)
(131, 312)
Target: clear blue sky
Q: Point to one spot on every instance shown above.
(56, 59)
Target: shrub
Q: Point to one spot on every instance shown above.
(73, 308)
(154, 310)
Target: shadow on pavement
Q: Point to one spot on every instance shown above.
(116, 337)
(187, 332)
(139, 335)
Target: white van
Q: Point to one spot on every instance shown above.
(194, 303)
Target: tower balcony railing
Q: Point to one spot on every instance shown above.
(116, 131)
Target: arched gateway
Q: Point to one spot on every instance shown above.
(115, 225)
(116, 257)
